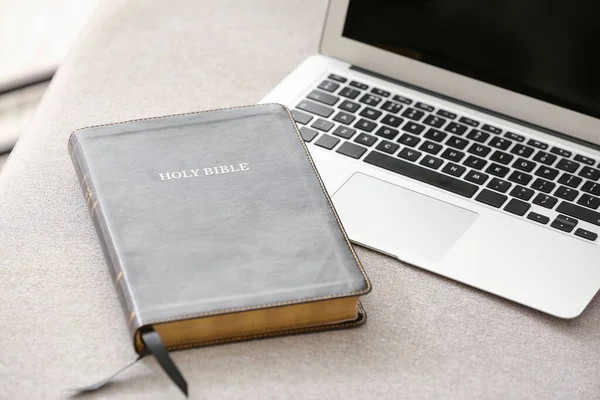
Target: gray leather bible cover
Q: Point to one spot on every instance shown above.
(213, 212)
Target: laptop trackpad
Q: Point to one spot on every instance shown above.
(395, 220)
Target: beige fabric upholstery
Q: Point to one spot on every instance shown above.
(60, 322)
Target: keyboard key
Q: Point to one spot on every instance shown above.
(391, 107)
(351, 150)
(500, 143)
(499, 185)
(542, 219)
(537, 143)
(455, 128)
(347, 105)
(590, 173)
(409, 154)
(517, 207)
(586, 234)
(424, 106)
(475, 162)
(476, 177)
(453, 155)
(322, 125)
(431, 162)
(308, 134)
(337, 78)
(564, 223)
(457, 142)
(370, 113)
(501, 157)
(380, 92)
(479, 150)
(570, 180)
(328, 86)
(514, 136)
(365, 139)
(524, 165)
(370, 100)
(315, 108)
(469, 121)
(344, 132)
(434, 121)
(435, 135)
(409, 140)
(323, 97)
(446, 114)
(430, 147)
(413, 127)
(561, 152)
(327, 142)
(522, 150)
(591, 187)
(491, 129)
(421, 174)
(391, 120)
(491, 198)
(387, 147)
(478, 136)
(413, 114)
(453, 169)
(349, 93)
(584, 159)
(582, 213)
(544, 158)
(546, 172)
(566, 193)
(359, 85)
(386, 132)
(520, 177)
(301, 117)
(344, 118)
(567, 165)
(589, 201)
(545, 201)
(365, 125)
(498, 170)
(543, 185)
(522, 193)
(402, 99)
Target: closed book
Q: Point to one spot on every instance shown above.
(216, 227)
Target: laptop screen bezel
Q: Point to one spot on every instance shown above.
(450, 84)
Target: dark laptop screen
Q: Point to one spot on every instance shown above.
(541, 48)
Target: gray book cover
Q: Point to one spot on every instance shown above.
(212, 212)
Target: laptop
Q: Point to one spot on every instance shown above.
(462, 137)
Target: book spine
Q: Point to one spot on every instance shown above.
(98, 217)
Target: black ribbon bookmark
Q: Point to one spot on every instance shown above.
(153, 345)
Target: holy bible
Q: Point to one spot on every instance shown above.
(216, 227)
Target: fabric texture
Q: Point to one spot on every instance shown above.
(61, 325)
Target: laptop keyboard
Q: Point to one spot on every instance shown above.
(502, 169)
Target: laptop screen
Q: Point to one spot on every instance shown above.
(540, 48)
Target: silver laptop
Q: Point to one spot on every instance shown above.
(461, 137)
